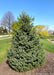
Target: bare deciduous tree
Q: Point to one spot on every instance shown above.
(7, 20)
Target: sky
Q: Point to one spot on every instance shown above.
(41, 10)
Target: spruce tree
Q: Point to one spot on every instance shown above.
(26, 51)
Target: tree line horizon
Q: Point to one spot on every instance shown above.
(6, 25)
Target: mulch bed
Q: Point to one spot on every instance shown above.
(46, 69)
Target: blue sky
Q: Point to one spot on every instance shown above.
(42, 10)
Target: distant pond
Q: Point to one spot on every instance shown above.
(52, 41)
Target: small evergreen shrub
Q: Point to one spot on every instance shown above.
(47, 37)
(26, 51)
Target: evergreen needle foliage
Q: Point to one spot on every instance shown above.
(26, 51)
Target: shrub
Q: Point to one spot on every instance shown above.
(26, 51)
(47, 37)
(5, 31)
(42, 30)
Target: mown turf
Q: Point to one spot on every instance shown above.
(4, 45)
(47, 45)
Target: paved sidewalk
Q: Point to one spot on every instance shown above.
(5, 38)
(2, 37)
(5, 35)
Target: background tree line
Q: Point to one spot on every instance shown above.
(3, 30)
(8, 24)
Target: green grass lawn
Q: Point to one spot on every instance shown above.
(4, 45)
(47, 45)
